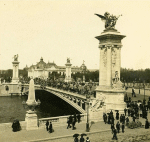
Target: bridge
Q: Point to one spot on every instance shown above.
(74, 99)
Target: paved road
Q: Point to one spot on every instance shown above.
(23, 135)
(102, 130)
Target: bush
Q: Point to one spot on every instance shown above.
(133, 124)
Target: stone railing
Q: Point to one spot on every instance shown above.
(58, 121)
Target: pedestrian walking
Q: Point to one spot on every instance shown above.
(117, 115)
(87, 139)
(75, 117)
(79, 118)
(82, 139)
(146, 124)
(112, 120)
(133, 92)
(105, 118)
(76, 139)
(125, 111)
(47, 124)
(122, 126)
(112, 127)
(108, 119)
(123, 119)
(118, 126)
(115, 134)
(50, 127)
(68, 122)
(73, 124)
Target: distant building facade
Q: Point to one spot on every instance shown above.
(43, 70)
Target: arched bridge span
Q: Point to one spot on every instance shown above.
(73, 99)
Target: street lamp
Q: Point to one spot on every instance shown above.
(144, 91)
(133, 83)
(139, 86)
(87, 124)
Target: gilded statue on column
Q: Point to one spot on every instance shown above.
(110, 20)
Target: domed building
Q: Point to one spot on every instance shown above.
(43, 70)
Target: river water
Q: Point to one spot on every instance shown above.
(51, 106)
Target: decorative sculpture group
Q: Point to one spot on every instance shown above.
(110, 20)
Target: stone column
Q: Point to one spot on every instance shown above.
(101, 68)
(109, 67)
(68, 72)
(110, 62)
(15, 77)
(118, 60)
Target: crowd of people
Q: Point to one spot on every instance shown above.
(72, 121)
(134, 109)
(49, 127)
(81, 139)
(75, 87)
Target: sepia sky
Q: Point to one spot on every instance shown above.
(59, 29)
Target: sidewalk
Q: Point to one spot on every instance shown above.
(42, 134)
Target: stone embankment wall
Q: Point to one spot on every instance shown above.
(14, 89)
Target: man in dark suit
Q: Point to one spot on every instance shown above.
(115, 134)
(118, 126)
(122, 126)
(47, 124)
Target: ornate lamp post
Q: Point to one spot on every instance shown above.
(133, 83)
(83, 71)
(144, 91)
(139, 86)
(87, 101)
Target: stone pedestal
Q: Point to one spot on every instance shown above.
(15, 78)
(68, 72)
(110, 86)
(31, 121)
(96, 115)
(114, 99)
